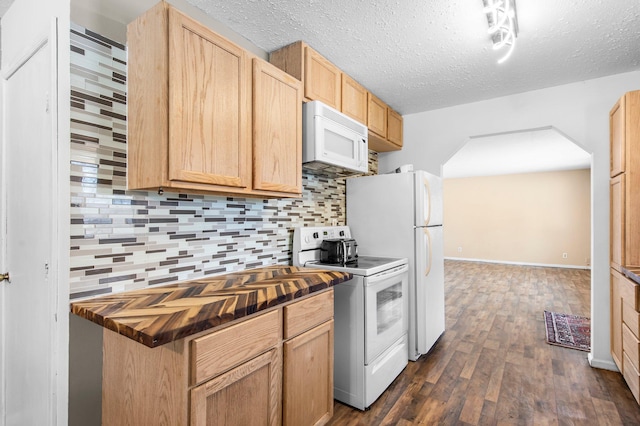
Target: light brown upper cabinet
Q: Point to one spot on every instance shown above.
(625, 183)
(377, 113)
(320, 77)
(324, 82)
(394, 127)
(354, 99)
(191, 125)
(385, 126)
(277, 131)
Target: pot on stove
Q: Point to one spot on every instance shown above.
(338, 250)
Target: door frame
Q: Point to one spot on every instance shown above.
(57, 35)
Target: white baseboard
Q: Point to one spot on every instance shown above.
(604, 364)
(546, 265)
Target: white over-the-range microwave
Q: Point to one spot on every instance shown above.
(332, 141)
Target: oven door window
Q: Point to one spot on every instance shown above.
(386, 313)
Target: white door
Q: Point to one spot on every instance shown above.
(29, 298)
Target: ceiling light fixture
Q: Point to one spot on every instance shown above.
(503, 24)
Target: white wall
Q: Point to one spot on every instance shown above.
(581, 112)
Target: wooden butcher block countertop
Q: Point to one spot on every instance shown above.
(158, 315)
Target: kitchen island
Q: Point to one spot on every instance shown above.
(251, 347)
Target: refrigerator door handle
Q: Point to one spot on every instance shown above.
(429, 258)
(427, 188)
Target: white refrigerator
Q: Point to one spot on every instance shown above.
(400, 215)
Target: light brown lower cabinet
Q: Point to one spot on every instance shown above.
(308, 377)
(267, 369)
(625, 329)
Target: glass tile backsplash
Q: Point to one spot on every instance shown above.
(123, 240)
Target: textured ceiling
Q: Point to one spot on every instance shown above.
(423, 55)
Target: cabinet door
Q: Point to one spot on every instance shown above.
(616, 318)
(617, 221)
(394, 127)
(277, 129)
(377, 116)
(322, 79)
(209, 83)
(617, 137)
(247, 395)
(308, 377)
(354, 99)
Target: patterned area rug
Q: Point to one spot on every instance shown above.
(569, 331)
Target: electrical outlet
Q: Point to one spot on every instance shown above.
(564, 255)
(459, 249)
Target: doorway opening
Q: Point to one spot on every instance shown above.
(519, 197)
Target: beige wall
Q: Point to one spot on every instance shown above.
(528, 218)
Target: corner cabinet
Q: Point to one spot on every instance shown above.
(192, 126)
(267, 369)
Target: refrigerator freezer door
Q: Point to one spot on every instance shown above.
(429, 281)
(428, 196)
(380, 213)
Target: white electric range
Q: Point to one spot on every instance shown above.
(370, 317)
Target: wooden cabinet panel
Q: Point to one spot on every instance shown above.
(616, 317)
(322, 79)
(277, 129)
(148, 92)
(354, 99)
(617, 221)
(209, 95)
(308, 313)
(247, 395)
(141, 385)
(308, 377)
(617, 136)
(221, 350)
(394, 127)
(377, 115)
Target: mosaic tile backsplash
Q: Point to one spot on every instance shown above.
(123, 240)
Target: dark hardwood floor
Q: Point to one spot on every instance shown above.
(493, 366)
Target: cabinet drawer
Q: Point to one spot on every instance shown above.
(631, 318)
(630, 346)
(221, 350)
(630, 293)
(632, 377)
(306, 314)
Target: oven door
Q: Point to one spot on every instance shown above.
(386, 310)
